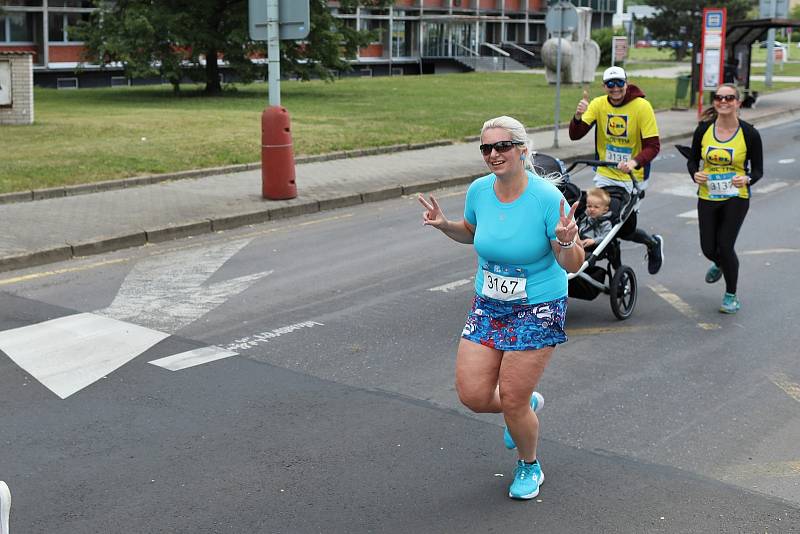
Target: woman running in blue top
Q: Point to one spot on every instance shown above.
(525, 239)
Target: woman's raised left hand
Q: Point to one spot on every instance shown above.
(567, 229)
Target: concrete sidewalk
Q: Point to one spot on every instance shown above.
(36, 232)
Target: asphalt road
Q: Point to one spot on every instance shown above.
(339, 415)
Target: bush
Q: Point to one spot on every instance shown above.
(603, 37)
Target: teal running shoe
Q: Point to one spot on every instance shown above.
(730, 304)
(537, 401)
(713, 274)
(527, 479)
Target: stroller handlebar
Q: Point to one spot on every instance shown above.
(590, 163)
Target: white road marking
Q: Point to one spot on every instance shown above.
(789, 468)
(70, 353)
(786, 161)
(786, 384)
(452, 285)
(676, 183)
(768, 251)
(184, 360)
(768, 187)
(691, 214)
(248, 342)
(171, 291)
(679, 304)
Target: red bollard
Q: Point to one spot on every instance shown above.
(277, 155)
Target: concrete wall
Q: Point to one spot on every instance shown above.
(20, 111)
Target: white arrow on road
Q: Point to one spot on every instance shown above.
(169, 292)
(160, 296)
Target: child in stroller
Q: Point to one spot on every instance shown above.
(614, 279)
(596, 222)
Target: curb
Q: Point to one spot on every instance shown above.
(288, 208)
(124, 183)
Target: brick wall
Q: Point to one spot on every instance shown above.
(21, 109)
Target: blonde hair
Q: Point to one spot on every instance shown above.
(520, 135)
(600, 193)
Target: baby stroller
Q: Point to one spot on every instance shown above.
(602, 270)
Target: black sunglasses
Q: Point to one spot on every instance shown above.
(726, 98)
(500, 146)
(614, 83)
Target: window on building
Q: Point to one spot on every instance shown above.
(18, 27)
(24, 3)
(379, 27)
(70, 3)
(59, 25)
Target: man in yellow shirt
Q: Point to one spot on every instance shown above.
(626, 133)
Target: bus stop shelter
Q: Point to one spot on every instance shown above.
(740, 36)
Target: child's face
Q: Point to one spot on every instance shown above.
(595, 207)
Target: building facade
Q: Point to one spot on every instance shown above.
(414, 36)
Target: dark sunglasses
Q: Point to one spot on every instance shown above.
(726, 98)
(500, 146)
(614, 83)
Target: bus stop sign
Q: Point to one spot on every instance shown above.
(293, 19)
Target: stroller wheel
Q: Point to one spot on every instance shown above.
(623, 292)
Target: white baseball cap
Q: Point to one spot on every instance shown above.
(614, 73)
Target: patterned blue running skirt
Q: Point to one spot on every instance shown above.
(507, 326)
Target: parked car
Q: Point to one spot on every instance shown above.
(777, 44)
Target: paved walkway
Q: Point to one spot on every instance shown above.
(36, 232)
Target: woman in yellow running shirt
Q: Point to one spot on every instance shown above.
(732, 160)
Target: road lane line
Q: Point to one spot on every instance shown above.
(783, 381)
(679, 304)
(789, 468)
(191, 358)
(691, 214)
(768, 251)
(452, 285)
(769, 187)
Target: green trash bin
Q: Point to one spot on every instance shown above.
(682, 84)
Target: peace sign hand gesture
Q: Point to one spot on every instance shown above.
(432, 216)
(567, 229)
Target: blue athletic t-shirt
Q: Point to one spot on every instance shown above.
(517, 235)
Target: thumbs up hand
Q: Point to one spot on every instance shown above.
(582, 105)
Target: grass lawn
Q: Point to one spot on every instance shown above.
(91, 135)
(788, 69)
(650, 54)
(635, 65)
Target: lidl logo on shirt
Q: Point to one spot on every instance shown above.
(717, 155)
(617, 125)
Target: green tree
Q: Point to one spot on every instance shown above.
(681, 20)
(175, 39)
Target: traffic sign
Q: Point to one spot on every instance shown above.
(293, 19)
(561, 18)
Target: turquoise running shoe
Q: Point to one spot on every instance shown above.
(537, 401)
(527, 479)
(713, 274)
(730, 304)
